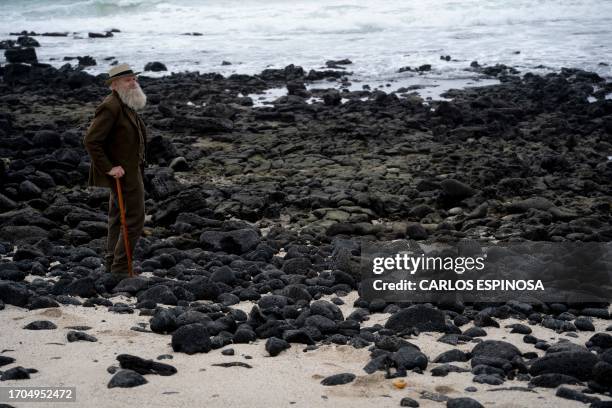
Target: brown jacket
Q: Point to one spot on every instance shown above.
(113, 139)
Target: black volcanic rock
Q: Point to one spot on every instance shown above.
(422, 317)
(143, 366)
(338, 379)
(14, 293)
(275, 345)
(574, 363)
(73, 336)
(191, 339)
(126, 379)
(155, 66)
(40, 325)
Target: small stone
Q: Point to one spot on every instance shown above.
(463, 402)
(450, 356)
(456, 190)
(274, 346)
(126, 379)
(40, 325)
(142, 366)
(552, 380)
(519, 328)
(338, 379)
(80, 336)
(409, 402)
(155, 66)
(434, 396)
(568, 393)
(490, 379)
(16, 373)
(5, 360)
(179, 164)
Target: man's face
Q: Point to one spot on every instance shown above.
(126, 83)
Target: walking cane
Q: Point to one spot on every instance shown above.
(126, 240)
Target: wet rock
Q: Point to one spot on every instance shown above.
(100, 35)
(155, 66)
(87, 61)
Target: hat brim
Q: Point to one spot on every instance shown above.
(109, 80)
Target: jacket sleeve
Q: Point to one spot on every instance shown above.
(144, 138)
(99, 130)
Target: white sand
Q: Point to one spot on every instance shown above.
(291, 379)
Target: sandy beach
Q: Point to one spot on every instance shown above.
(290, 379)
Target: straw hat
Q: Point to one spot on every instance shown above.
(119, 71)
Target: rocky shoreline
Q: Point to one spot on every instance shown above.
(269, 205)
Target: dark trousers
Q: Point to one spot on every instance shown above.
(133, 202)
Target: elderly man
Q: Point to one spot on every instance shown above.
(116, 143)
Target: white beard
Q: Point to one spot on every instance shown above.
(134, 98)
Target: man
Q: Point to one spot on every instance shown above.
(116, 143)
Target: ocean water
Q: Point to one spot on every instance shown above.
(378, 36)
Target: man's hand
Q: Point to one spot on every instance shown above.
(116, 172)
